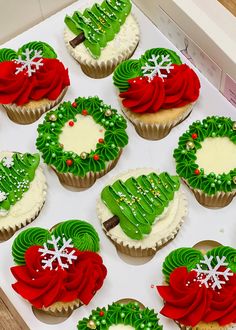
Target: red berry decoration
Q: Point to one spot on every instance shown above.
(96, 157)
(197, 172)
(194, 136)
(101, 313)
(101, 140)
(74, 104)
(69, 162)
(71, 123)
(84, 112)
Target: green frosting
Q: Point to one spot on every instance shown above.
(130, 69)
(46, 49)
(139, 201)
(7, 54)
(185, 156)
(115, 137)
(100, 24)
(83, 236)
(120, 314)
(16, 174)
(190, 257)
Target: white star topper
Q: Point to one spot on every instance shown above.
(30, 63)
(151, 71)
(58, 253)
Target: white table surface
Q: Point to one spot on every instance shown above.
(124, 279)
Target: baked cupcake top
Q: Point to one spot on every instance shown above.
(120, 316)
(200, 287)
(30, 74)
(98, 25)
(64, 259)
(206, 155)
(158, 80)
(82, 136)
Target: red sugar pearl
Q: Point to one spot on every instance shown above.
(74, 104)
(197, 172)
(84, 112)
(69, 162)
(194, 136)
(96, 157)
(101, 313)
(101, 140)
(71, 123)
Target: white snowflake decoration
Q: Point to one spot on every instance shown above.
(158, 67)
(57, 253)
(31, 63)
(211, 277)
(3, 196)
(8, 161)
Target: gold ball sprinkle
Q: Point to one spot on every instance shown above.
(234, 126)
(52, 117)
(189, 145)
(108, 113)
(83, 155)
(91, 324)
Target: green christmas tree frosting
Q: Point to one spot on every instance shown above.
(137, 202)
(121, 314)
(99, 24)
(16, 173)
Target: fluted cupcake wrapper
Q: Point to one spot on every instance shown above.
(89, 179)
(32, 111)
(62, 309)
(220, 199)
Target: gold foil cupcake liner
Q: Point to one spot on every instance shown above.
(155, 131)
(220, 199)
(31, 111)
(89, 179)
(62, 309)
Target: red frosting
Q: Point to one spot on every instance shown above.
(189, 302)
(181, 87)
(47, 82)
(43, 287)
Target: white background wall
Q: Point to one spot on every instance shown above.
(19, 15)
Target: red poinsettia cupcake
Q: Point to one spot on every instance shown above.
(200, 290)
(58, 270)
(32, 81)
(157, 91)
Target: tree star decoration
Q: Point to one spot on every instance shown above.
(213, 277)
(159, 66)
(58, 253)
(3, 196)
(8, 162)
(30, 63)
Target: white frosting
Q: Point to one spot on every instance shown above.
(30, 203)
(217, 155)
(83, 136)
(126, 39)
(121, 327)
(165, 227)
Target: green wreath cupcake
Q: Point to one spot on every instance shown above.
(121, 316)
(82, 141)
(206, 160)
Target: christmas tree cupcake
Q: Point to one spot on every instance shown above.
(130, 315)
(156, 91)
(102, 36)
(206, 160)
(82, 140)
(58, 270)
(32, 81)
(22, 191)
(142, 210)
(200, 288)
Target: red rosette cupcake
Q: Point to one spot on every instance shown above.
(32, 81)
(157, 92)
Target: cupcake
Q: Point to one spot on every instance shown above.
(156, 92)
(206, 160)
(32, 81)
(22, 191)
(102, 36)
(141, 210)
(130, 315)
(82, 141)
(200, 288)
(58, 270)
